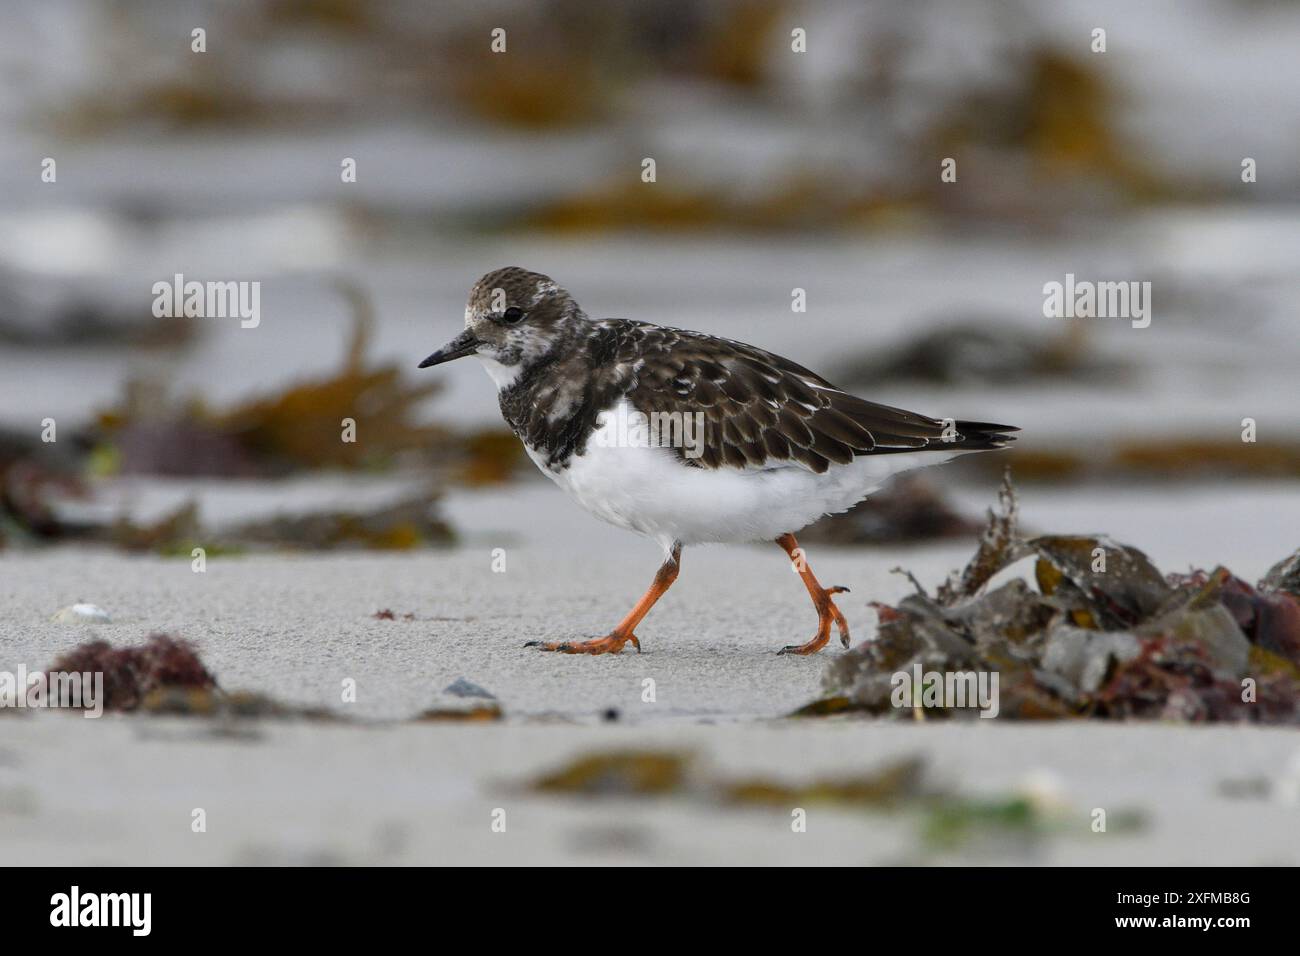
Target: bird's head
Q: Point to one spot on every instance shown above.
(513, 317)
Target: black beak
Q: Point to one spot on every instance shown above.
(462, 345)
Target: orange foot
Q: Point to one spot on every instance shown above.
(827, 612)
(610, 644)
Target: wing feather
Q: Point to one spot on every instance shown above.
(760, 409)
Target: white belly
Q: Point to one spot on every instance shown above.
(650, 490)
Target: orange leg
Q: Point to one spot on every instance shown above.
(827, 612)
(613, 642)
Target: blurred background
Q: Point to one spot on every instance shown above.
(129, 439)
(775, 171)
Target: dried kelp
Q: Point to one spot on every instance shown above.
(1100, 632)
(999, 546)
(1097, 581)
(364, 415)
(304, 426)
(1283, 576)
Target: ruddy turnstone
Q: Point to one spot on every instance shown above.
(685, 437)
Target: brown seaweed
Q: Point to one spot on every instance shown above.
(1099, 632)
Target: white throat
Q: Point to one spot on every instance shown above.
(503, 375)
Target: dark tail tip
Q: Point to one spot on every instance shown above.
(978, 435)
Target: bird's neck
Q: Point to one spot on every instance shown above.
(548, 402)
(566, 345)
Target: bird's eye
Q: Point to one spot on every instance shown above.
(513, 314)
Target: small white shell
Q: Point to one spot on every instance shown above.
(82, 614)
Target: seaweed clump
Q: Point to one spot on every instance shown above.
(298, 428)
(662, 773)
(947, 819)
(1099, 632)
(165, 676)
(132, 674)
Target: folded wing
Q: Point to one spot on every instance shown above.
(762, 410)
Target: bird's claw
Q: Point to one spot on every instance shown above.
(803, 650)
(827, 613)
(610, 644)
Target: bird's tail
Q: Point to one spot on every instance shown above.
(979, 436)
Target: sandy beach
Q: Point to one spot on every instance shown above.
(122, 790)
(380, 788)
